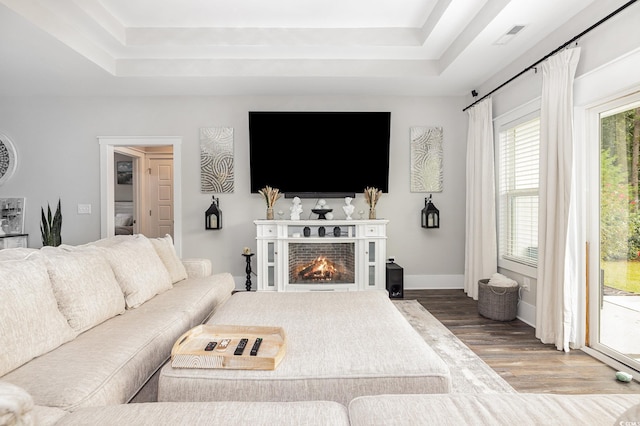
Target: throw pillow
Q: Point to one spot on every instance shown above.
(138, 269)
(84, 286)
(167, 252)
(16, 253)
(108, 241)
(31, 323)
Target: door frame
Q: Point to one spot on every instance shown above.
(591, 114)
(107, 180)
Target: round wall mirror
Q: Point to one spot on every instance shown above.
(8, 159)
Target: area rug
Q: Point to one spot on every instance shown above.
(469, 373)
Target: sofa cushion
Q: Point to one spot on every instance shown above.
(138, 269)
(199, 297)
(213, 413)
(31, 322)
(84, 285)
(167, 252)
(48, 416)
(490, 409)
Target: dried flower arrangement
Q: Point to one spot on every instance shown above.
(270, 195)
(371, 196)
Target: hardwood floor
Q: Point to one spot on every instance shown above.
(513, 351)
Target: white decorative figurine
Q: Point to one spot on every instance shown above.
(348, 207)
(296, 208)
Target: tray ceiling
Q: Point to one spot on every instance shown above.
(421, 47)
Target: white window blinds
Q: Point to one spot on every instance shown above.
(518, 181)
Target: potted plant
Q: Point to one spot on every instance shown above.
(50, 226)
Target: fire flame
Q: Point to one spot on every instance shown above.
(319, 269)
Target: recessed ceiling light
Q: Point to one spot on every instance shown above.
(509, 35)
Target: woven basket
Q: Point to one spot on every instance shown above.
(497, 303)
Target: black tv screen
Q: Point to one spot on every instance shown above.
(319, 154)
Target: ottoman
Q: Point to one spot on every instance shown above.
(340, 345)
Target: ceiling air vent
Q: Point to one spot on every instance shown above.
(509, 35)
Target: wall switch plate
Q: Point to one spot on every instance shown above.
(84, 208)
(526, 283)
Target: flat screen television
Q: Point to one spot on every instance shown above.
(319, 154)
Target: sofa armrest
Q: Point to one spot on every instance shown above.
(197, 268)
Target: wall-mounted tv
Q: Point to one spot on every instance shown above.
(319, 154)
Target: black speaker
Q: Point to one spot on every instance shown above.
(395, 281)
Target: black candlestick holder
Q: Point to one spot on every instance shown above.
(247, 258)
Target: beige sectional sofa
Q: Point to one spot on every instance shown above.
(86, 326)
(16, 408)
(85, 329)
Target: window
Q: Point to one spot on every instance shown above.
(518, 182)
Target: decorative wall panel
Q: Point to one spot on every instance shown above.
(216, 159)
(426, 159)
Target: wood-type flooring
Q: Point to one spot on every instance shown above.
(513, 351)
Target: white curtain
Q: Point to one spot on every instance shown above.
(556, 287)
(480, 251)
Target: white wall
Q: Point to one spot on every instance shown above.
(59, 157)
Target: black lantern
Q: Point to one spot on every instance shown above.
(213, 216)
(430, 214)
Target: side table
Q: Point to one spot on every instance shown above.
(13, 240)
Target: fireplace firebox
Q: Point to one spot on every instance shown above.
(317, 263)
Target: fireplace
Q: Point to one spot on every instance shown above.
(322, 263)
(299, 255)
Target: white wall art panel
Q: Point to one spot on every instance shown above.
(216, 159)
(426, 159)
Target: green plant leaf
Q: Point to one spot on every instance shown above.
(51, 226)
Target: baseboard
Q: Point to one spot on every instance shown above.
(433, 282)
(527, 313)
(411, 282)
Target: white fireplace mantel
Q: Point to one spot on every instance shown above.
(274, 236)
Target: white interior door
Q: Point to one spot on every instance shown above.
(160, 201)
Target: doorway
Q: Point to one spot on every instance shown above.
(126, 191)
(614, 297)
(167, 188)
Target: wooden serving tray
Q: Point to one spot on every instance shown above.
(188, 351)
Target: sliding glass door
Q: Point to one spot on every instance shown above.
(615, 301)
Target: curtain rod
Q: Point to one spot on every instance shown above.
(530, 67)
